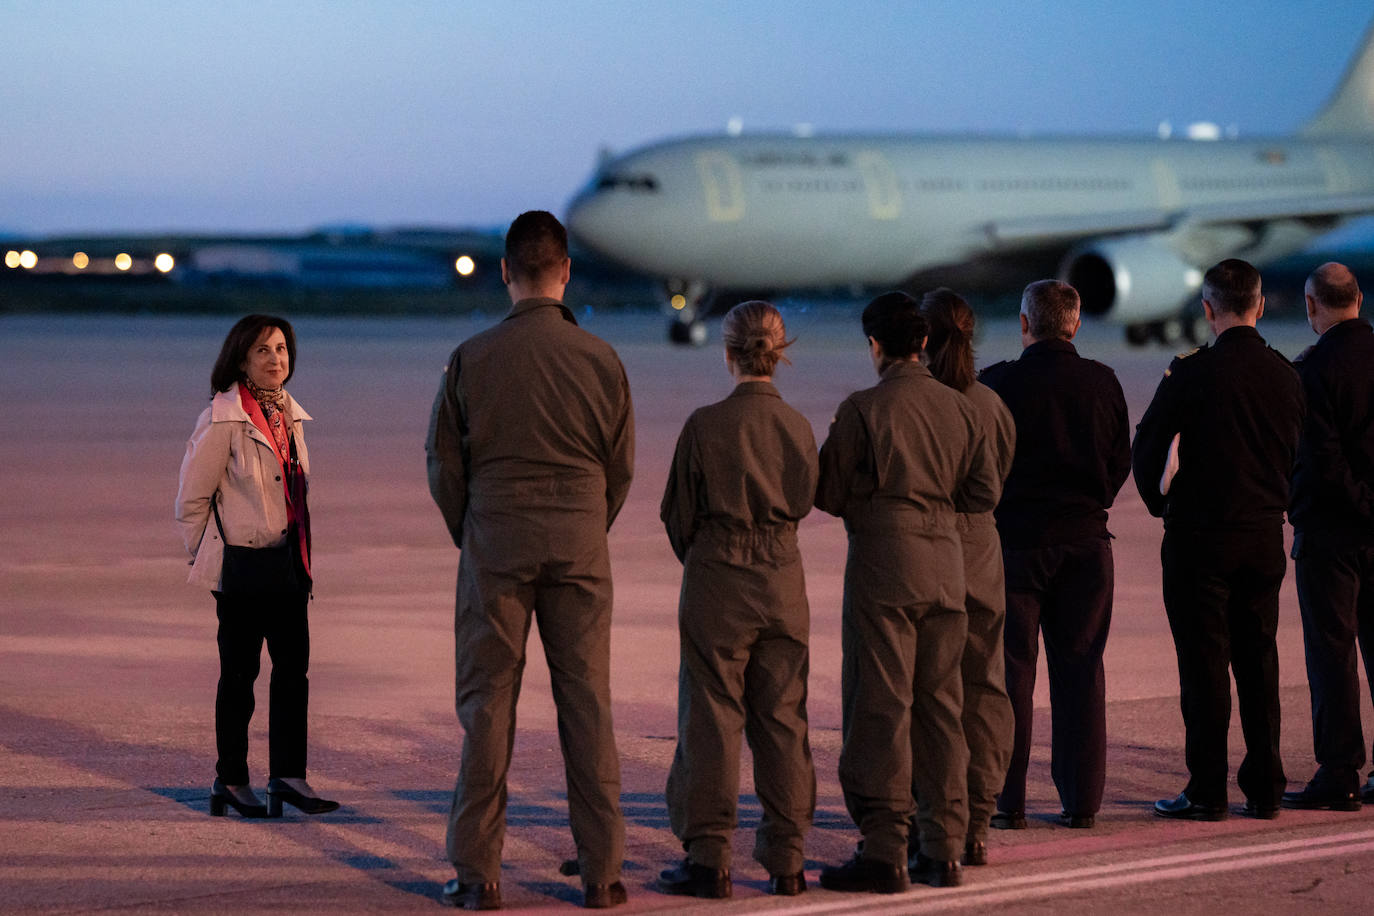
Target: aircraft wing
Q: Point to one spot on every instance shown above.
(1272, 209)
(1041, 232)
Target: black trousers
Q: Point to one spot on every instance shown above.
(1063, 592)
(1336, 594)
(1221, 594)
(244, 622)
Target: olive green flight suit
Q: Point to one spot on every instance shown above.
(743, 474)
(989, 724)
(530, 453)
(902, 459)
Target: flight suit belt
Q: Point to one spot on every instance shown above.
(560, 487)
(894, 521)
(756, 540)
(976, 521)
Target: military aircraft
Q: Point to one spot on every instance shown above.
(1132, 223)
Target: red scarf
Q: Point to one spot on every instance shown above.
(292, 475)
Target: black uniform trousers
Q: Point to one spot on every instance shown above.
(244, 622)
(1336, 593)
(1221, 594)
(1065, 593)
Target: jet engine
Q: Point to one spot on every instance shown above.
(1138, 281)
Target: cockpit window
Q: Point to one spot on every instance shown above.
(628, 182)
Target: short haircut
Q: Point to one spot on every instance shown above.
(1333, 286)
(894, 320)
(242, 336)
(1051, 309)
(536, 245)
(755, 337)
(950, 346)
(1233, 286)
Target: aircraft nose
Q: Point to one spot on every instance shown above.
(587, 219)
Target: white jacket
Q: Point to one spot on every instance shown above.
(229, 455)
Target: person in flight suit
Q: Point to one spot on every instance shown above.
(743, 475)
(987, 716)
(1331, 506)
(1212, 456)
(530, 454)
(1072, 457)
(902, 459)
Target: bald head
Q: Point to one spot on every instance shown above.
(1332, 296)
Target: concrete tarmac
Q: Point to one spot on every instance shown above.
(108, 662)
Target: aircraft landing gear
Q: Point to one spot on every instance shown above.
(686, 326)
(1168, 332)
(691, 333)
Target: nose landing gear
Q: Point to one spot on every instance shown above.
(685, 299)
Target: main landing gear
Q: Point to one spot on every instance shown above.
(1169, 332)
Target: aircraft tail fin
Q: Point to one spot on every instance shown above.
(1349, 112)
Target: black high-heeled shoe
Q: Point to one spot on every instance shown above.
(279, 791)
(240, 798)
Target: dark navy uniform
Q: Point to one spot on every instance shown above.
(1237, 407)
(1072, 457)
(1332, 511)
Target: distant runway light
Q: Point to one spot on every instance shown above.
(164, 262)
(80, 261)
(465, 266)
(123, 261)
(678, 301)
(27, 259)
(11, 258)
(735, 126)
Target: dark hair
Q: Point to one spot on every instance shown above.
(242, 336)
(536, 244)
(950, 345)
(755, 337)
(1232, 286)
(1334, 287)
(894, 320)
(1051, 309)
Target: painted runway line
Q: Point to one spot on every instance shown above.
(1022, 888)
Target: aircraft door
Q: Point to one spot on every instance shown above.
(880, 183)
(723, 185)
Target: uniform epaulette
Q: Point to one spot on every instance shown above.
(1180, 356)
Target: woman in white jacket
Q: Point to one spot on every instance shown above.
(243, 484)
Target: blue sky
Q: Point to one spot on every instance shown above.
(144, 115)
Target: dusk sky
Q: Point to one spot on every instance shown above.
(139, 115)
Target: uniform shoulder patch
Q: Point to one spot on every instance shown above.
(1180, 357)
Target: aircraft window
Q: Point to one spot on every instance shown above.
(629, 182)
